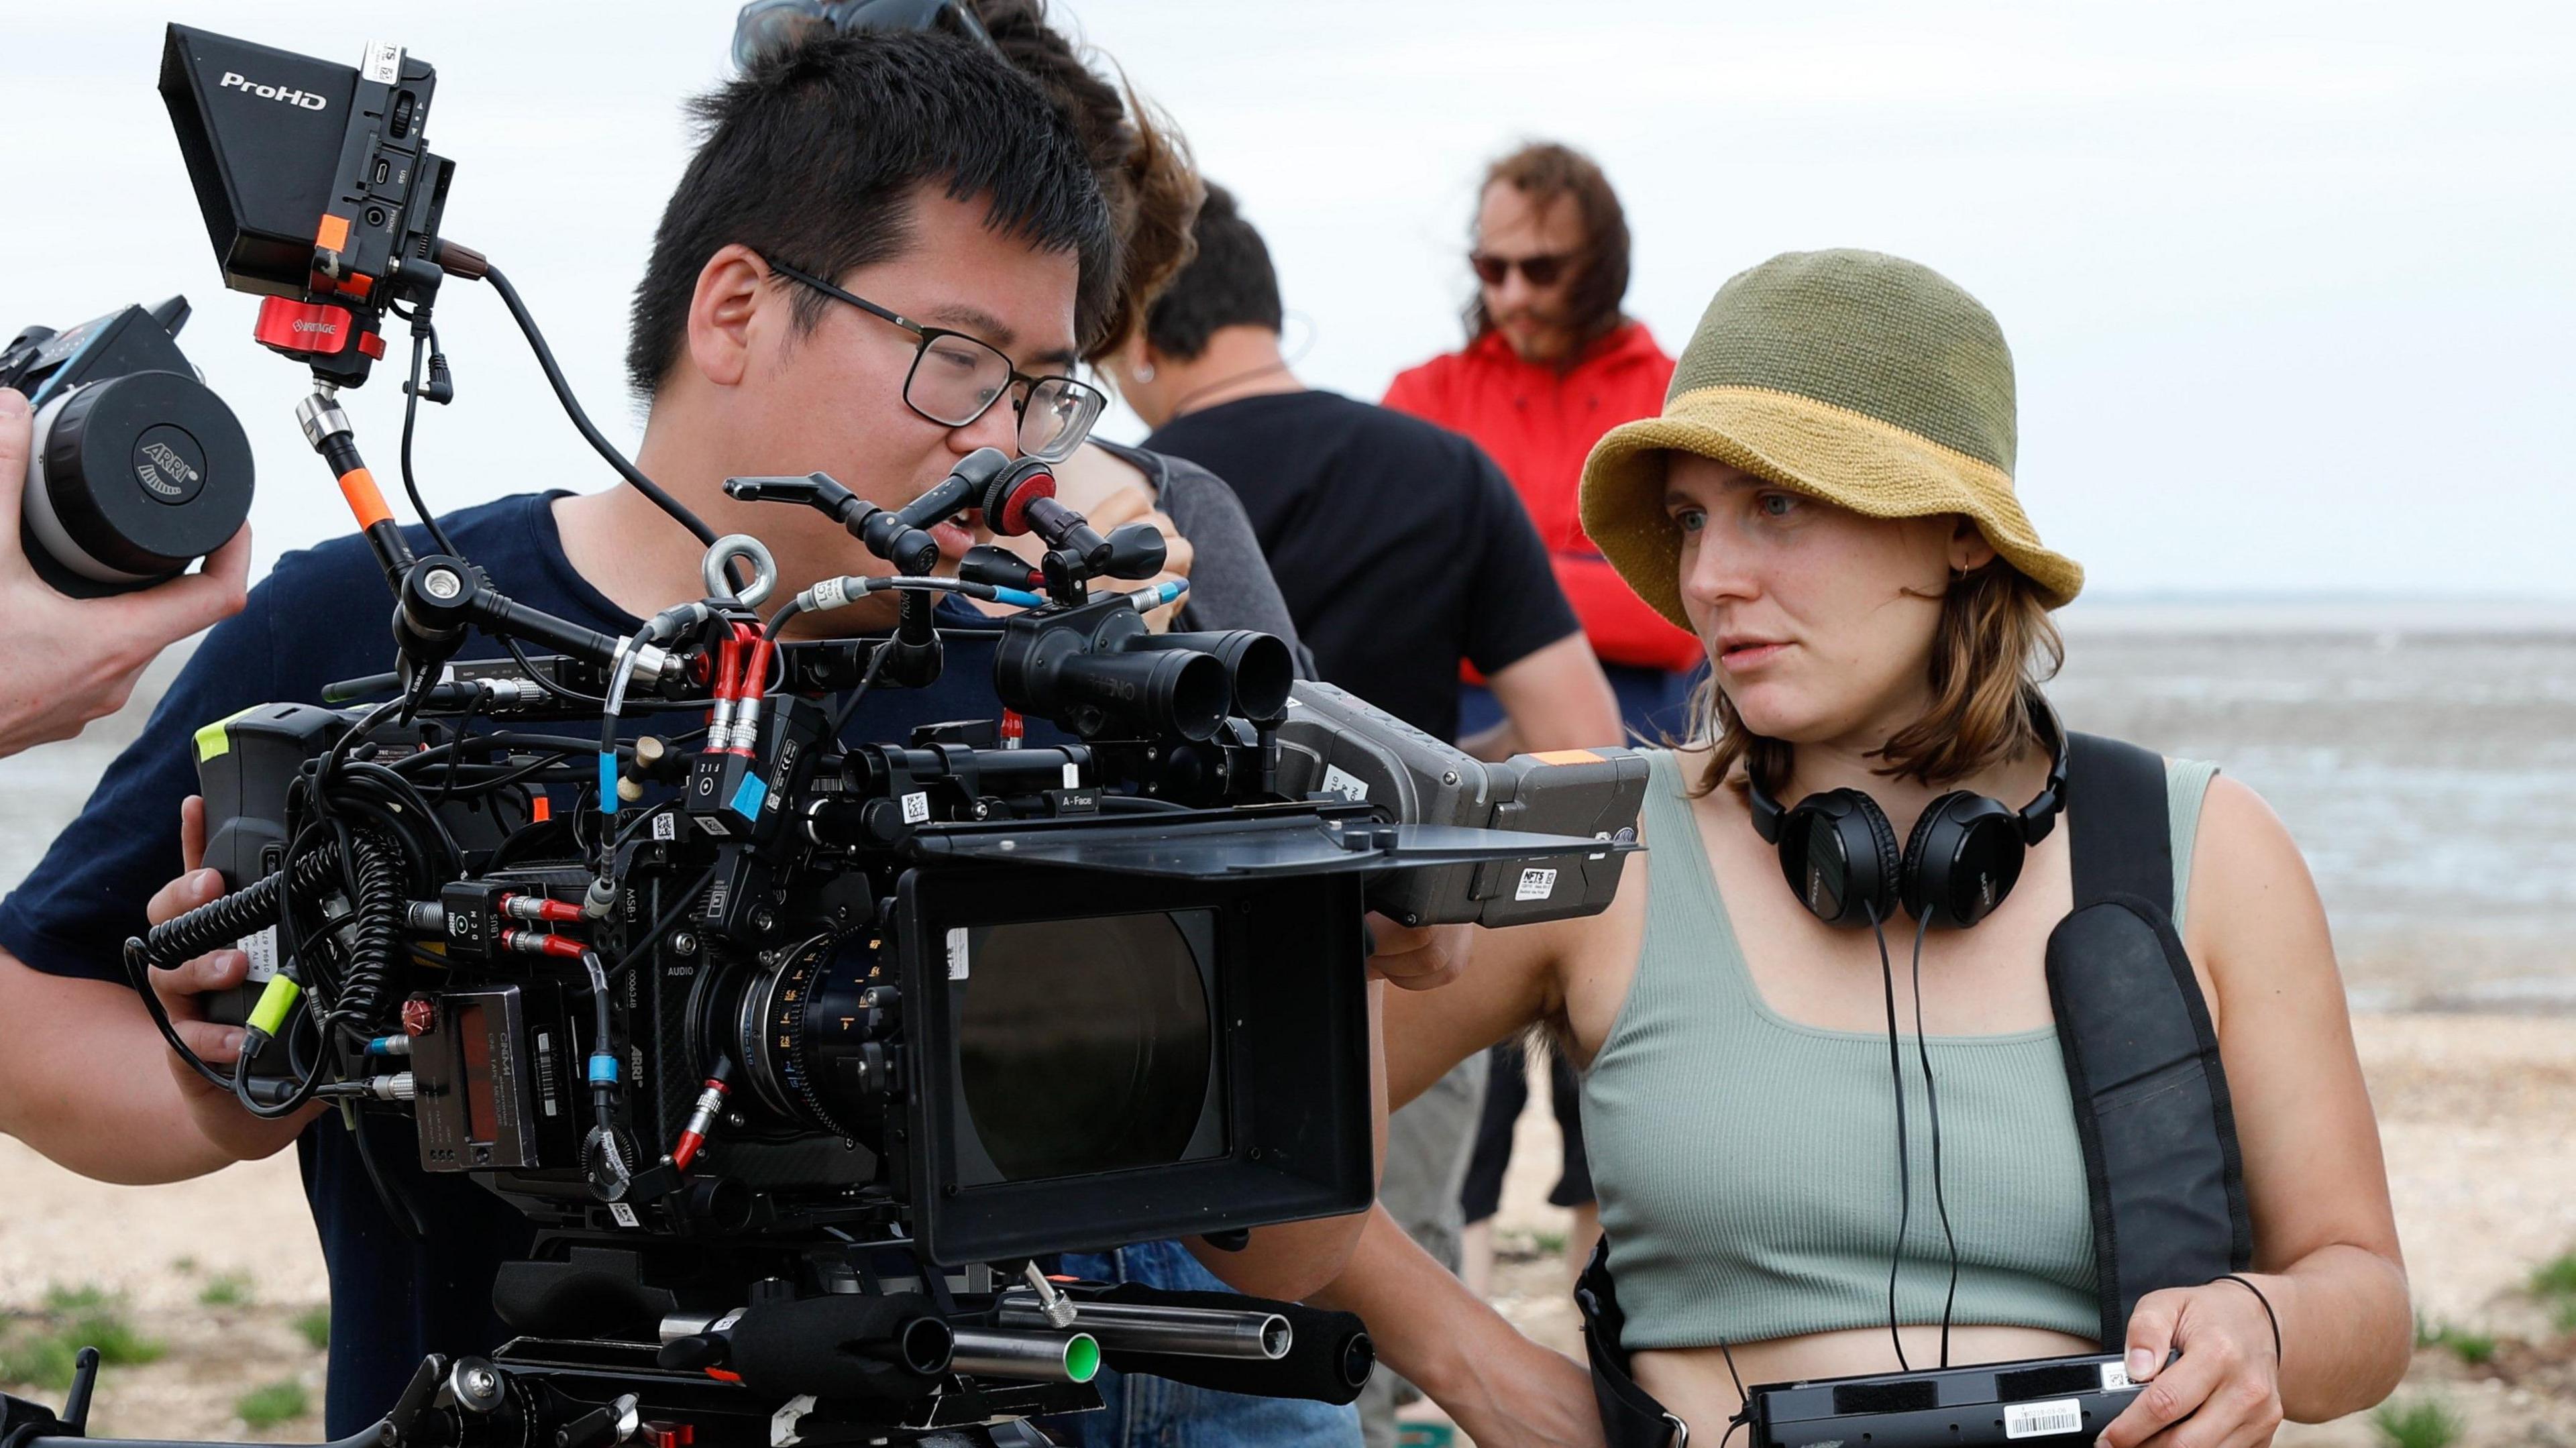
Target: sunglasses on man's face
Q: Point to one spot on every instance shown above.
(1542, 271)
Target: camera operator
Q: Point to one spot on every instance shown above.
(65, 662)
(913, 173)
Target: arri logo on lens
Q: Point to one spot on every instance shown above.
(234, 80)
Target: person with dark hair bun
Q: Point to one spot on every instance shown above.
(1403, 552)
(1153, 193)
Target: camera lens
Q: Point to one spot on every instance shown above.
(1083, 1045)
(803, 1036)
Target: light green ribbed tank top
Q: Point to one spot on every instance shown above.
(1746, 1162)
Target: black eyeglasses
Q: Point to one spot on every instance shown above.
(1542, 271)
(956, 379)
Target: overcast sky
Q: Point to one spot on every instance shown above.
(2291, 287)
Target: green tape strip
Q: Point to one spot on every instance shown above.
(213, 742)
(269, 1016)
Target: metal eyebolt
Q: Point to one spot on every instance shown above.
(764, 569)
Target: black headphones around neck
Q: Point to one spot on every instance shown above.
(1839, 853)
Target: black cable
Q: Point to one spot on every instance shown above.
(581, 420)
(399, 1208)
(1932, 1104)
(560, 691)
(1743, 1405)
(423, 337)
(456, 751)
(850, 705)
(1904, 1160)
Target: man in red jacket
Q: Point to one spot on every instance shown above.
(1550, 365)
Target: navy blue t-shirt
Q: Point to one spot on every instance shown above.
(324, 615)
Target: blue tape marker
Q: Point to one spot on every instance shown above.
(607, 782)
(1018, 598)
(747, 799)
(603, 1070)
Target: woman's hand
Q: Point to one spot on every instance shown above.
(1417, 957)
(2225, 1389)
(1530, 1397)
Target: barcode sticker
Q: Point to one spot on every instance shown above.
(957, 952)
(916, 808)
(666, 826)
(1073, 776)
(2115, 1378)
(1536, 885)
(2040, 1420)
(262, 950)
(624, 1214)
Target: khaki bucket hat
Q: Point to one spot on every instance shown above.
(1869, 381)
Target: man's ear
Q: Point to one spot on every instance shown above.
(725, 313)
(1969, 550)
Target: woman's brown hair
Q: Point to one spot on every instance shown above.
(1542, 171)
(1142, 163)
(1993, 646)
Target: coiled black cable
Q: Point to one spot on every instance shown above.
(379, 945)
(246, 911)
(376, 890)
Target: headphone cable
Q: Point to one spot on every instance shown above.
(1904, 1174)
(1932, 1104)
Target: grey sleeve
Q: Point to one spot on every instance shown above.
(1230, 582)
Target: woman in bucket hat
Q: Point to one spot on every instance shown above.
(2122, 1112)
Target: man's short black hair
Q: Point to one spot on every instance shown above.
(1230, 283)
(810, 156)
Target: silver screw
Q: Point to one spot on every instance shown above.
(1449, 777)
(442, 584)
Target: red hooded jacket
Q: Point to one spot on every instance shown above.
(1539, 425)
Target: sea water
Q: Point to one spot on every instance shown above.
(2422, 755)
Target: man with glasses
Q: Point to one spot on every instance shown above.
(872, 267)
(1550, 365)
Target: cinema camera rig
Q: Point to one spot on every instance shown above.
(799, 1051)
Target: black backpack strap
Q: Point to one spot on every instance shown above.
(2119, 831)
(1630, 1416)
(2151, 1105)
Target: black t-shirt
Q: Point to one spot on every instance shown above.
(322, 616)
(1401, 548)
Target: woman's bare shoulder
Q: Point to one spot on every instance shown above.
(2255, 916)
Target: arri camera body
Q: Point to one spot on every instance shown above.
(800, 1044)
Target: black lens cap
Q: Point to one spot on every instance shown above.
(146, 473)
